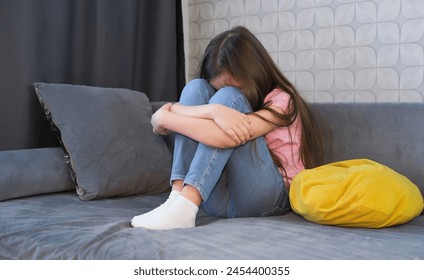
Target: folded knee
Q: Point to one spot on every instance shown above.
(197, 92)
(231, 97)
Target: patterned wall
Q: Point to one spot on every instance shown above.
(332, 50)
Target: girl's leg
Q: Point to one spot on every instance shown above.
(196, 92)
(251, 185)
(200, 169)
(255, 186)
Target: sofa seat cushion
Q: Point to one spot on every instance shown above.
(355, 193)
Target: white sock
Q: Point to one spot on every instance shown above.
(180, 214)
(146, 217)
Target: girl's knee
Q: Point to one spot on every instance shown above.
(231, 97)
(196, 92)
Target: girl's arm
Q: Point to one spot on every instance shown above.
(213, 124)
(201, 129)
(232, 121)
(263, 121)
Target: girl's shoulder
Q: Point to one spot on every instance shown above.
(278, 97)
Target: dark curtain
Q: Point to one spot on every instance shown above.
(135, 44)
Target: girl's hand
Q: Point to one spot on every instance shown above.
(156, 119)
(233, 122)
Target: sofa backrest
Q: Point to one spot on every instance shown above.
(389, 133)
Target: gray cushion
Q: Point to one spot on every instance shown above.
(33, 171)
(109, 139)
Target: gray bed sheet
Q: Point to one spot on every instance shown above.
(61, 226)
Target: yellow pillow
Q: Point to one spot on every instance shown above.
(355, 193)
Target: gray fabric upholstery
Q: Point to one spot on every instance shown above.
(109, 139)
(66, 228)
(389, 133)
(32, 172)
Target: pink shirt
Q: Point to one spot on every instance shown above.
(284, 142)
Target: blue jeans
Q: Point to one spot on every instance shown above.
(234, 182)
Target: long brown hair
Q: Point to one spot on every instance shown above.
(240, 53)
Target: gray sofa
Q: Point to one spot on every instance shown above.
(59, 225)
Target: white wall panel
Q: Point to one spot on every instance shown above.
(332, 50)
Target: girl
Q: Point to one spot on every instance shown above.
(242, 132)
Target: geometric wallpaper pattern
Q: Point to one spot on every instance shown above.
(332, 50)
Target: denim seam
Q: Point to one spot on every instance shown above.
(195, 185)
(199, 185)
(176, 177)
(235, 100)
(284, 189)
